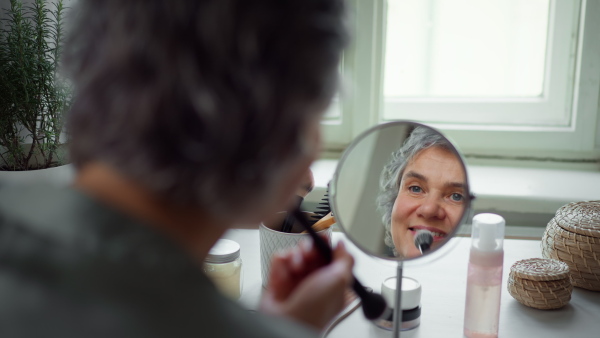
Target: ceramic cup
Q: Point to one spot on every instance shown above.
(272, 241)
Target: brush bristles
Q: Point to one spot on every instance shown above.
(423, 240)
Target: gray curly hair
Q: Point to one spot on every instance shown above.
(202, 102)
(389, 184)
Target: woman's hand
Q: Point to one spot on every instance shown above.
(301, 287)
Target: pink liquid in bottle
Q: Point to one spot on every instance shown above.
(484, 279)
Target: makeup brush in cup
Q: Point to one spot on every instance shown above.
(373, 304)
(323, 216)
(323, 208)
(306, 187)
(322, 224)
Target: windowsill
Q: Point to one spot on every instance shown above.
(527, 198)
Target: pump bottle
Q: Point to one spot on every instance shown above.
(484, 279)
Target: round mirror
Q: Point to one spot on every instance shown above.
(396, 184)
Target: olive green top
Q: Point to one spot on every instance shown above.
(71, 266)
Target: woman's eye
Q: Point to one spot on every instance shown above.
(415, 189)
(456, 197)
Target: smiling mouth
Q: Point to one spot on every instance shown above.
(436, 234)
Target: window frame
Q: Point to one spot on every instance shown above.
(362, 108)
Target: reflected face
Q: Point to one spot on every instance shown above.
(431, 197)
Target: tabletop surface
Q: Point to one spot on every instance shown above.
(443, 282)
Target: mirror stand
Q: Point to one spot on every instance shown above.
(398, 301)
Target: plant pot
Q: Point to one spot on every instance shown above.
(60, 176)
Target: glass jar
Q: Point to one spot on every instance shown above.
(223, 266)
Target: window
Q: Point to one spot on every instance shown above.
(502, 78)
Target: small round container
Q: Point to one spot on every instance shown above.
(540, 283)
(223, 266)
(411, 303)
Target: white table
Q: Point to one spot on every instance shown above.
(443, 294)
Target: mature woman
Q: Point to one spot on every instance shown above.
(422, 188)
(190, 117)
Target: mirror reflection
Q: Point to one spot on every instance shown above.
(400, 191)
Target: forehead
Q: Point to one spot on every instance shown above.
(437, 162)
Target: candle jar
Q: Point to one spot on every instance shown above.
(223, 266)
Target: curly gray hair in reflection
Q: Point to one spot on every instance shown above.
(389, 184)
(201, 101)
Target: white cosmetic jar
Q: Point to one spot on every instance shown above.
(223, 266)
(411, 303)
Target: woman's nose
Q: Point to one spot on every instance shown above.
(431, 207)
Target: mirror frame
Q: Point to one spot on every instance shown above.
(335, 182)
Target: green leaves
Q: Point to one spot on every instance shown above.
(32, 97)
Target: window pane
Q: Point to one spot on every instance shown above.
(466, 48)
(334, 112)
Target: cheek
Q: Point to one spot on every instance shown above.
(297, 172)
(400, 220)
(283, 197)
(403, 206)
(286, 195)
(311, 143)
(454, 215)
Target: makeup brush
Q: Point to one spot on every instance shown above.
(304, 189)
(288, 221)
(323, 223)
(323, 208)
(423, 240)
(373, 304)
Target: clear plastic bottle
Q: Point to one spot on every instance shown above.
(484, 279)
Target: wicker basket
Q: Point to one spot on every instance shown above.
(573, 236)
(540, 283)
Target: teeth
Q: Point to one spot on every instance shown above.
(434, 234)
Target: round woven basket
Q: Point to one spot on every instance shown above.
(573, 237)
(540, 283)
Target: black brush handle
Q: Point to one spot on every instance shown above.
(288, 221)
(373, 304)
(320, 244)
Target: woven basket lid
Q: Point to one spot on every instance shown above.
(580, 217)
(540, 269)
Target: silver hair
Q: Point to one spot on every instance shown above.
(202, 102)
(389, 184)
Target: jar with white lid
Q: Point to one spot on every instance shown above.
(223, 266)
(410, 303)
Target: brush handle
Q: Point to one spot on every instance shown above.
(320, 244)
(323, 223)
(373, 304)
(288, 221)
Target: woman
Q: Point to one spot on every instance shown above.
(423, 187)
(190, 118)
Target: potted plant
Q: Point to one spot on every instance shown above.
(33, 97)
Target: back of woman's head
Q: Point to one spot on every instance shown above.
(202, 102)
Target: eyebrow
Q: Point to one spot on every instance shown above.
(413, 174)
